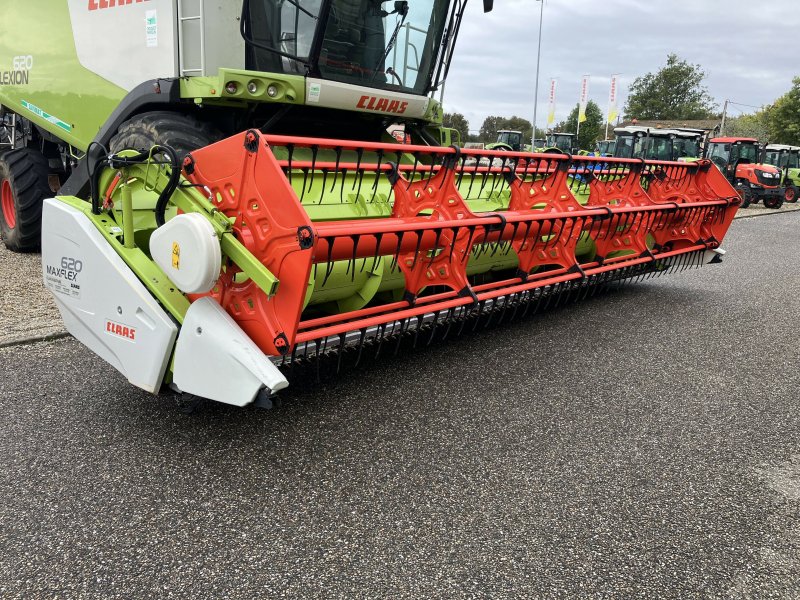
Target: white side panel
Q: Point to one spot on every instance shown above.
(224, 45)
(215, 359)
(103, 304)
(333, 94)
(126, 41)
(210, 38)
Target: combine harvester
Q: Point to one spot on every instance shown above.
(219, 196)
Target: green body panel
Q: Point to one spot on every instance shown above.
(289, 89)
(56, 85)
(57, 93)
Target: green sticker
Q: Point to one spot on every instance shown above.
(47, 117)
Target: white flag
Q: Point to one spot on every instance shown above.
(584, 99)
(613, 111)
(551, 113)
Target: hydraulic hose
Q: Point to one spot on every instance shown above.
(117, 162)
(172, 185)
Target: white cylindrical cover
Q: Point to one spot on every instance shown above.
(188, 251)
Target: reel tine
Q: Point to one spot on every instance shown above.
(449, 320)
(377, 175)
(433, 327)
(318, 344)
(342, 337)
(362, 335)
(314, 150)
(336, 168)
(324, 182)
(382, 329)
(416, 330)
(399, 336)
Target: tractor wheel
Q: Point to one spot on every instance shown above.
(23, 188)
(746, 197)
(183, 133)
(774, 202)
(790, 193)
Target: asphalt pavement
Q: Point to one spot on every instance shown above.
(642, 444)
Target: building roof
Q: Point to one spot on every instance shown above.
(704, 124)
(782, 147)
(656, 131)
(731, 140)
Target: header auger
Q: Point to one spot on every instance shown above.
(245, 208)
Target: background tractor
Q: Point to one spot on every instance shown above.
(218, 196)
(656, 144)
(565, 142)
(509, 140)
(737, 158)
(787, 159)
(605, 147)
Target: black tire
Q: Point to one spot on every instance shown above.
(790, 193)
(184, 133)
(23, 187)
(774, 202)
(746, 196)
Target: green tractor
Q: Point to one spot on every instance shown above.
(605, 147)
(509, 140)
(218, 195)
(688, 144)
(787, 159)
(563, 142)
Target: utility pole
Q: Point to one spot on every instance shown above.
(536, 92)
(724, 115)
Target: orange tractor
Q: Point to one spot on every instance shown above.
(737, 158)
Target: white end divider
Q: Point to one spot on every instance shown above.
(101, 300)
(215, 359)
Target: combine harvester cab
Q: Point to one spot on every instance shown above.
(222, 227)
(635, 141)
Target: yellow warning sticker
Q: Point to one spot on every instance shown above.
(176, 256)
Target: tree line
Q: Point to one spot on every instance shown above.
(676, 91)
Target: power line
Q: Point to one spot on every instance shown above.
(747, 105)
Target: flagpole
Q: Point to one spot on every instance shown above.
(536, 93)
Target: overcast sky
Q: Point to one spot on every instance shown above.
(749, 50)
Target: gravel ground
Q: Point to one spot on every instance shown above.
(759, 209)
(27, 310)
(645, 444)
